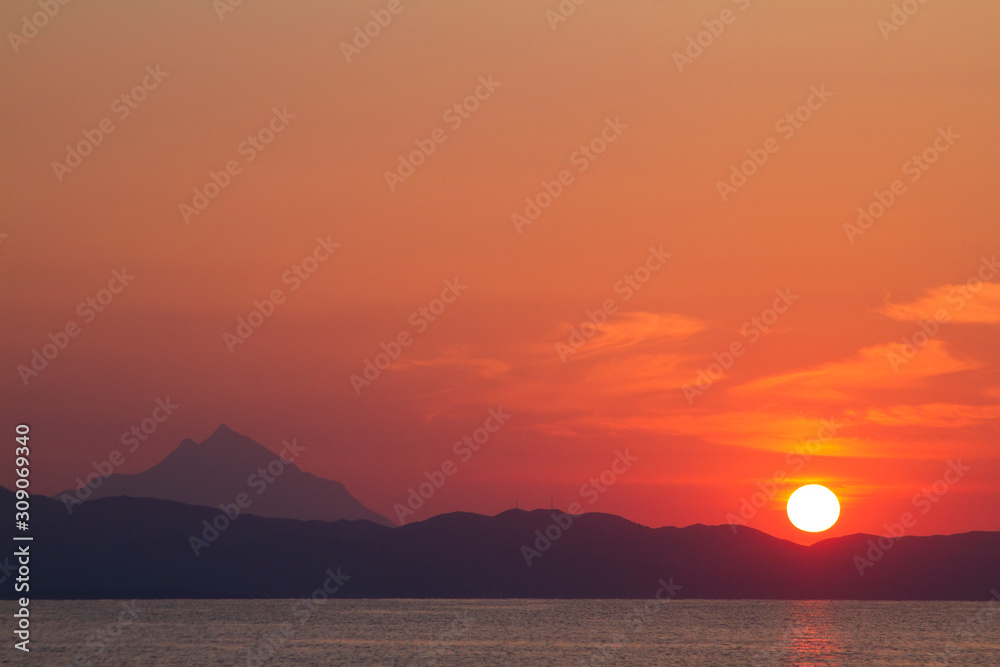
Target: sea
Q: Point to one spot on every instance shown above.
(505, 632)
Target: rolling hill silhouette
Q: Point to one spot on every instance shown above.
(228, 464)
(142, 548)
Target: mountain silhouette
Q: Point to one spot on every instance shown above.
(143, 548)
(224, 466)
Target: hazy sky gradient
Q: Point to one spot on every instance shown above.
(827, 357)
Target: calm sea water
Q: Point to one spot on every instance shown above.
(509, 632)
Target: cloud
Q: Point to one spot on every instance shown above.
(458, 359)
(776, 431)
(625, 331)
(932, 415)
(975, 302)
(627, 378)
(870, 368)
(630, 365)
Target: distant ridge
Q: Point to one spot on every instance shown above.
(227, 464)
(140, 548)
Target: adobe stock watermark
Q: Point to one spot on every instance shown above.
(915, 168)
(365, 33)
(163, 409)
(121, 108)
(923, 501)
(957, 297)
(591, 491)
(562, 12)
(455, 116)
(99, 642)
(796, 458)
(752, 329)
(584, 156)
(248, 149)
(464, 449)
(293, 277)
(786, 127)
(420, 320)
(899, 17)
(259, 481)
(223, 7)
(627, 287)
(635, 621)
(697, 43)
(88, 310)
(269, 644)
(31, 24)
(968, 630)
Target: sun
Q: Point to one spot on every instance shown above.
(813, 508)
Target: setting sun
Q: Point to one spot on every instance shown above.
(476, 333)
(813, 508)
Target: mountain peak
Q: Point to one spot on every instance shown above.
(226, 465)
(225, 435)
(222, 430)
(223, 450)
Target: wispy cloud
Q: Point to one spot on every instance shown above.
(458, 359)
(869, 368)
(977, 303)
(630, 330)
(932, 415)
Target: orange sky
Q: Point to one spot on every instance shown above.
(667, 130)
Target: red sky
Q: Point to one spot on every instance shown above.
(676, 128)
